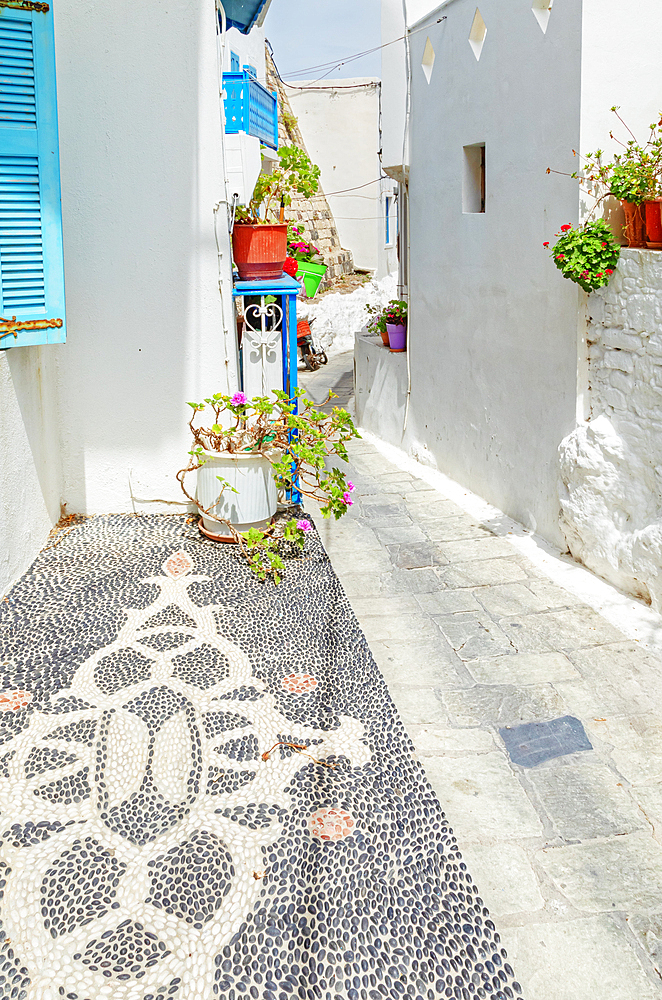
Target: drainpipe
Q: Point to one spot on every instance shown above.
(220, 59)
(405, 184)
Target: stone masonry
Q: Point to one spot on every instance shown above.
(312, 214)
(611, 466)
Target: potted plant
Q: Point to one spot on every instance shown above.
(376, 323)
(259, 236)
(395, 317)
(310, 263)
(586, 255)
(251, 451)
(635, 178)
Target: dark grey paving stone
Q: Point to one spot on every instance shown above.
(416, 555)
(536, 742)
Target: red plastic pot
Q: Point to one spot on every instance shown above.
(653, 224)
(259, 251)
(397, 337)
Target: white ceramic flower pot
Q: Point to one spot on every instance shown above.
(256, 499)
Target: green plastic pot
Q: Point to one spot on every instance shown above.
(312, 275)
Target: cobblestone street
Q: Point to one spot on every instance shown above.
(536, 719)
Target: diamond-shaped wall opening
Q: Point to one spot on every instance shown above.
(477, 34)
(542, 10)
(428, 60)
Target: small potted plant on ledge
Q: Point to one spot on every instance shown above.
(310, 266)
(259, 236)
(395, 317)
(635, 178)
(376, 323)
(255, 449)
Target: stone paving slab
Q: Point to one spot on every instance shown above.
(586, 959)
(568, 853)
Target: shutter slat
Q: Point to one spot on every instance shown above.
(31, 265)
(18, 104)
(20, 234)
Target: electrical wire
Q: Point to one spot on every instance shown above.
(330, 67)
(384, 177)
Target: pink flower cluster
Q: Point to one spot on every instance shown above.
(239, 399)
(304, 526)
(347, 495)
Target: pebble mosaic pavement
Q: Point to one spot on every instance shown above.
(148, 851)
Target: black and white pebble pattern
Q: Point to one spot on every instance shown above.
(126, 952)
(81, 885)
(216, 723)
(165, 640)
(204, 667)
(192, 879)
(253, 816)
(243, 748)
(173, 859)
(120, 669)
(30, 834)
(76, 732)
(42, 759)
(221, 781)
(70, 788)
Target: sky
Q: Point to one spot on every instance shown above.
(306, 33)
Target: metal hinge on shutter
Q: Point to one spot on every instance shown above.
(14, 326)
(41, 8)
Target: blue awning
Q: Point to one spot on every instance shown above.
(243, 14)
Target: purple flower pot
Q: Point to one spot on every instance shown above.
(397, 337)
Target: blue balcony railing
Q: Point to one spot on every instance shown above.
(251, 108)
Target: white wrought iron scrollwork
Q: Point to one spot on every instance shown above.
(261, 342)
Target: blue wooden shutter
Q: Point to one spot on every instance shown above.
(31, 260)
(234, 62)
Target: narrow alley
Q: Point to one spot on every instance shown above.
(537, 722)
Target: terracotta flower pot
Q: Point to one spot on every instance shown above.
(635, 224)
(384, 334)
(259, 251)
(653, 210)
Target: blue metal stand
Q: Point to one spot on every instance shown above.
(286, 289)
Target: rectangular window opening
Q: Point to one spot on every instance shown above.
(473, 180)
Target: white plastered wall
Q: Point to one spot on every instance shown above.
(30, 469)
(100, 422)
(339, 122)
(141, 176)
(493, 328)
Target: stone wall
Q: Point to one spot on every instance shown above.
(611, 466)
(311, 214)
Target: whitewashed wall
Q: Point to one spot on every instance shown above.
(30, 467)
(141, 175)
(497, 369)
(339, 122)
(493, 328)
(141, 162)
(611, 466)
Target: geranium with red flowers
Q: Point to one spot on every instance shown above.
(586, 255)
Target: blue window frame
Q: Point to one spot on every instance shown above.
(252, 72)
(234, 62)
(31, 258)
